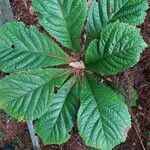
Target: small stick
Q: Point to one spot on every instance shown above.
(140, 139)
(34, 138)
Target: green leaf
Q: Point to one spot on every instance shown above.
(103, 12)
(103, 117)
(23, 48)
(118, 49)
(63, 19)
(27, 95)
(55, 125)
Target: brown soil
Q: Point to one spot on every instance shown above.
(139, 77)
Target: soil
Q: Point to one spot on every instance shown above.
(138, 138)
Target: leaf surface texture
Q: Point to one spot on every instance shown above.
(55, 125)
(63, 19)
(103, 116)
(118, 49)
(27, 95)
(23, 48)
(104, 12)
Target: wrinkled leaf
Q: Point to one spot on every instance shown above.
(55, 125)
(27, 95)
(23, 48)
(103, 117)
(118, 49)
(63, 19)
(105, 11)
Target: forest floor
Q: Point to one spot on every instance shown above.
(17, 134)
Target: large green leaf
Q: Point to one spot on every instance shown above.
(63, 19)
(27, 95)
(55, 125)
(103, 117)
(128, 11)
(119, 48)
(23, 48)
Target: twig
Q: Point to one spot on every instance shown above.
(140, 139)
(34, 138)
(136, 128)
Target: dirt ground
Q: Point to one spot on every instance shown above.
(17, 134)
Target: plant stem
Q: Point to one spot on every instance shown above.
(34, 138)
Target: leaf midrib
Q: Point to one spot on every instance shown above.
(37, 52)
(100, 115)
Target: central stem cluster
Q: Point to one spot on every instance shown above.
(78, 67)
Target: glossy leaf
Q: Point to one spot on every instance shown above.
(23, 48)
(27, 95)
(103, 117)
(105, 11)
(118, 49)
(55, 125)
(63, 19)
